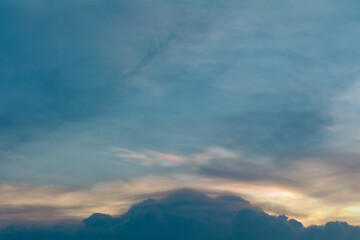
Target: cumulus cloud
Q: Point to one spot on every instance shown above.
(185, 215)
(115, 197)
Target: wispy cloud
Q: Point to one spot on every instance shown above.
(150, 157)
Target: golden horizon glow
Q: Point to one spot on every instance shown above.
(116, 197)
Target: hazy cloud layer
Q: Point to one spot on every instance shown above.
(128, 93)
(184, 215)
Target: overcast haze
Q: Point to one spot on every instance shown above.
(106, 103)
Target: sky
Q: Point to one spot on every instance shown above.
(106, 103)
(186, 214)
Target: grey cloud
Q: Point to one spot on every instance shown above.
(64, 64)
(175, 77)
(187, 214)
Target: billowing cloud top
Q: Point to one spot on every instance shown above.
(186, 215)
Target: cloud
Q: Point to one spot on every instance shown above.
(258, 98)
(231, 73)
(185, 215)
(154, 158)
(149, 157)
(116, 197)
(344, 133)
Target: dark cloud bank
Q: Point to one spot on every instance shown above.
(187, 214)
